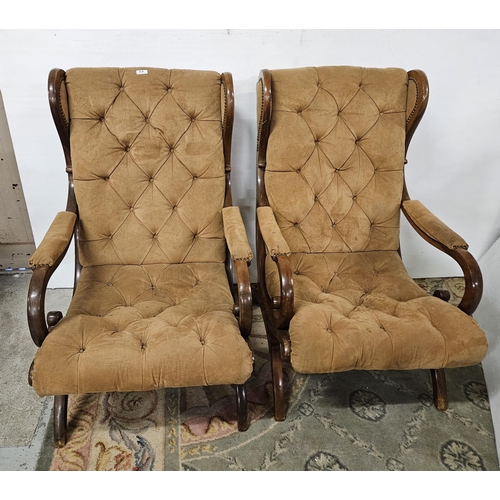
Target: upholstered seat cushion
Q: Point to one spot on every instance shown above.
(363, 311)
(143, 327)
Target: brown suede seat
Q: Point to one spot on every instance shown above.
(362, 311)
(138, 328)
(162, 289)
(331, 155)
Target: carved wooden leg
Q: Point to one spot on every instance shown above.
(241, 404)
(438, 377)
(278, 382)
(439, 389)
(60, 420)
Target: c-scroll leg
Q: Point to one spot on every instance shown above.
(278, 380)
(60, 420)
(439, 389)
(241, 404)
(437, 376)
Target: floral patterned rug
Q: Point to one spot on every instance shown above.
(346, 421)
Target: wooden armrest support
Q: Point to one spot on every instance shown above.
(285, 344)
(435, 232)
(36, 302)
(276, 246)
(245, 300)
(283, 307)
(44, 262)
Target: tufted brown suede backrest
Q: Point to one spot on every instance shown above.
(335, 155)
(148, 164)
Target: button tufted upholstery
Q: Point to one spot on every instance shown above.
(362, 311)
(336, 296)
(156, 156)
(151, 209)
(138, 328)
(337, 150)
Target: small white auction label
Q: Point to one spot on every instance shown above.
(141, 72)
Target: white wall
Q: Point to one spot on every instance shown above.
(452, 160)
(487, 315)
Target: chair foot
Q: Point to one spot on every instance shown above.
(60, 420)
(439, 389)
(278, 383)
(241, 404)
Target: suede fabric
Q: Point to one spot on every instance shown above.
(235, 234)
(55, 241)
(334, 181)
(336, 148)
(138, 328)
(362, 311)
(156, 158)
(153, 306)
(271, 234)
(429, 224)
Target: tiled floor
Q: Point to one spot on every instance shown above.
(24, 458)
(23, 414)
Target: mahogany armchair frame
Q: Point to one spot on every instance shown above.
(237, 270)
(278, 311)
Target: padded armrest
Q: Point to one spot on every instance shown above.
(431, 226)
(236, 235)
(55, 241)
(271, 233)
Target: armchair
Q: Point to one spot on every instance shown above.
(157, 240)
(335, 295)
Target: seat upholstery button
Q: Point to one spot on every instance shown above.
(151, 179)
(202, 341)
(109, 284)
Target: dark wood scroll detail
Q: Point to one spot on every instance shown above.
(472, 273)
(227, 131)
